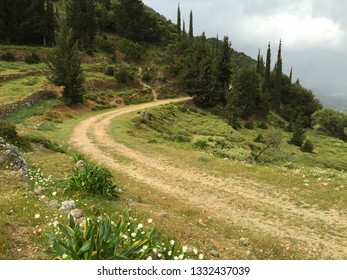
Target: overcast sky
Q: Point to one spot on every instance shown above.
(313, 33)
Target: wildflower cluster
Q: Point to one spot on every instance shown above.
(37, 178)
(103, 239)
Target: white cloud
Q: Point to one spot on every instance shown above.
(296, 32)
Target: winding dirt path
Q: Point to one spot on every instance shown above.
(236, 200)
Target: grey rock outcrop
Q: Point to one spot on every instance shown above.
(68, 205)
(11, 159)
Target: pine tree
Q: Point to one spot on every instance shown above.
(65, 64)
(278, 81)
(81, 18)
(131, 19)
(179, 30)
(196, 76)
(191, 32)
(223, 70)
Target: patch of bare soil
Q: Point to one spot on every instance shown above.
(237, 200)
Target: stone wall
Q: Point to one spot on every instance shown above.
(13, 76)
(28, 101)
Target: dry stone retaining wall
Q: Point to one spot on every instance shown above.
(28, 101)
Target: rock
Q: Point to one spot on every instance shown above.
(68, 205)
(77, 213)
(79, 164)
(144, 114)
(245, 241)
(215, 254)
(10, 158)
(54, 204)
(39, 191)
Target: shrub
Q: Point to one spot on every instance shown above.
(106, 46)
(32, 59)
(200, 144)
(124, 76)
(104, 240)
(9, 133)
(131, 49)
(259, 139)
(179, 138)
(91, 179)
(307, 147)
(263, 125)
(249, 125)
(7, 57)
(109, 71)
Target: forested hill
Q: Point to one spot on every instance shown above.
(208, 69)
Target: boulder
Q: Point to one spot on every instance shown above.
(68, 205)
(11, 159)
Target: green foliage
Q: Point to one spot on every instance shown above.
(32, 59)
(299, 134)
(331, 122)
(124, 76)
(81, 18)
(48, 144)
(307, 147)
(103, 239)
(91, 179)
(8, 132)
(65, 65)
(9, 57)
(109, 71)
(131, 49)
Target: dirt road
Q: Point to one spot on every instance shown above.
(232, 199)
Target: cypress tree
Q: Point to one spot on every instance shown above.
(278, 80)
(267, 77)
(291, 74)
(49, 23)
(65, 64)
(184, 28)
(191, 32)
(179, 30)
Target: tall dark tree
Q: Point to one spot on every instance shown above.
(179, 29)
(191, 31)
(291, 74)
(65, 64)
(278, 81)
(223, 70)
(131, 19)
(81, 18)
(260, 64)
(267, 75)
(196, 76)
(49, 23)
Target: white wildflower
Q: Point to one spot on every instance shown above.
(172, 242)
(150, 221)
(201, 256)
(139, 226)
(37, 216)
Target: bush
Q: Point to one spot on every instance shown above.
(32, 59)
(104, 240)
(109, 71)
(131, 49)
(200, 144)
(249, 125)
(179, 138)
(9, 133)
(91, 179)
(8, 57)
(124, 76)
(259, 139)
(307, 147)
(106, 46)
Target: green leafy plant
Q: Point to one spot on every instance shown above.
(91, 179)
(32, 59)
(103, 239)
(307, 147)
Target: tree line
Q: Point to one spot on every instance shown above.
(35, 21)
